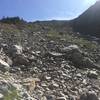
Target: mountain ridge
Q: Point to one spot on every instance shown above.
(89, 21)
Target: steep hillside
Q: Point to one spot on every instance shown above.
(89, 21)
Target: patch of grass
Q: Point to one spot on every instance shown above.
(12, 95)
(70, 38)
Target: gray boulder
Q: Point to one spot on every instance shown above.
(20, 59)
(79, 59)
(12, 50)
(16, 49)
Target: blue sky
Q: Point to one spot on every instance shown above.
(32, 10)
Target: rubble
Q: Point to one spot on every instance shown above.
(89, 96)
(44, 68)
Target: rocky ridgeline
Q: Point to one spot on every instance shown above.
(47, 69)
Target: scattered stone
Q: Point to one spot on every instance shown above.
(43, 84)
(43, 98)
(92, 74)
(79, 75)
(84, 82)
(47, 77)
(50, 97)
(61, 98)
(89, 96)
(55, 84)
(54, 54)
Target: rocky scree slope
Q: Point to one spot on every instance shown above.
(37, 61)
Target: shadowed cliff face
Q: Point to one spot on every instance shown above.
(89, 21)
